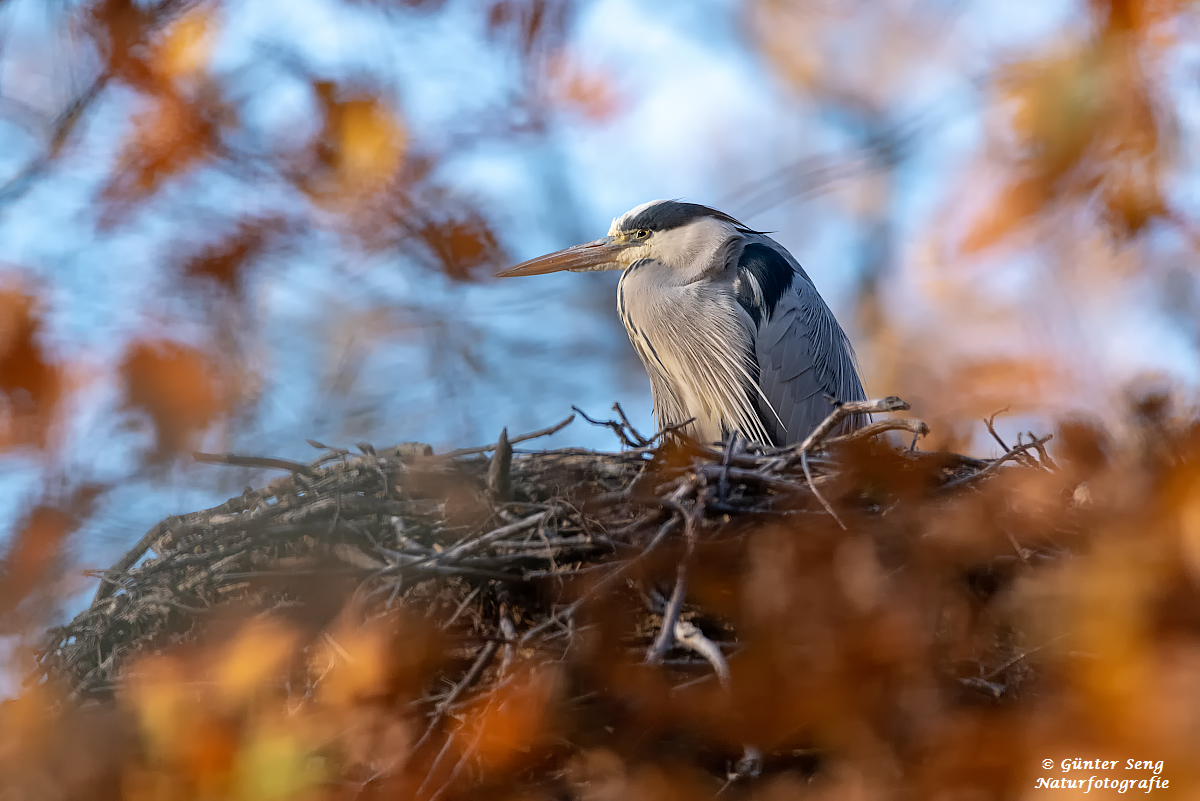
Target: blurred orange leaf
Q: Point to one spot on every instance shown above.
(1086, 122)
(186, 48)
(33, 551)
(577, 90)
(1016, 205)
(1132, 193)
(208, 750)
(372, 141)
(360, 662)
(177, 387)
(355, 665)
(981, 387)
(461, 245)
(30, 385)
(1058, 106)
(362, 143)
(120, 28)
(255, 655)
(277, 763)
(1108, 595)
(26, 730)
(36, 546)
(224, 258)
(778, 26)
(171, 136)
(161, 701)
(510, 723)
(1135, 16)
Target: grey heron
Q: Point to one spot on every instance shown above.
(732, 331)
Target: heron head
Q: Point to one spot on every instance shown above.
(680, 235)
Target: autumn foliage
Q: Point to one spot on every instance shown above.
(949, 626)
(941, 645)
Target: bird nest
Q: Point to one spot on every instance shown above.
(692, 606)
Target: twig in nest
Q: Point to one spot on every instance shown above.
(466, 547)
(997, 671)
(615, 427)
(749, 766)
(839, 413)
(666, 634)
(917, 427)
(462, 568)
(542, 432)
(690, 637)
(509, 633)
(989, 687)
(256, 461)
(436, 761)
(745, 476)
(633, 432)
(163, 534)
(661, 435)
(1027, 458)
(617, 571)
(481, 661)
(462, 760)
(723, 484)
(990, 422)
(462, 607)
(995, 464)
(1043, 454)
(499, 477)
(1017, 548)
(812, 486)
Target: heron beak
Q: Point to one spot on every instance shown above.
(596, 255)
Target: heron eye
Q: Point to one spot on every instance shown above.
(641, 233)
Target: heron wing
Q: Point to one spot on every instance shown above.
(803, 355)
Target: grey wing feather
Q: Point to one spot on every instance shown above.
(803, 355)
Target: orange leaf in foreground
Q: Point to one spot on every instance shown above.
(177, 387)
(251, 660)
(186, 737)
(388, 655)
(510, 723)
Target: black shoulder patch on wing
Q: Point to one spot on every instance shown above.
(763, 276)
